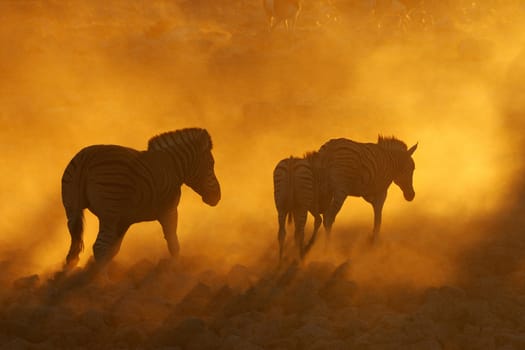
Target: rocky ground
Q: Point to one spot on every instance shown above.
(188, 305)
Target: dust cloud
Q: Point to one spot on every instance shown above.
(448, 75)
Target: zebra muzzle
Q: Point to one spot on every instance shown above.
(212, 199)
(409, 196)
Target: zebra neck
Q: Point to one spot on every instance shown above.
(395, 160)
(183, 163)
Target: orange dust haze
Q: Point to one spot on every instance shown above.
(90, 72)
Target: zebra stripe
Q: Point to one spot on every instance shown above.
(123, 186)
(366, 170)
(297, 187)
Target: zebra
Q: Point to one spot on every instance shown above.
(299, 188)
(278, 11)
(366, 170)
(123, 186)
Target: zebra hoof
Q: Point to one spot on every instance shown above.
(374, 241)
(70, 264)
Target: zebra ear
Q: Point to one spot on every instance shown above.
(412, 149)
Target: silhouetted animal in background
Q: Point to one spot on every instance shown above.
(278, 11)
(366, 170)
(123, 186)
(299, 188)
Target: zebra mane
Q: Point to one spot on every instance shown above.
(314, 158)
(312, 155)
(195, 136)
(391, 143)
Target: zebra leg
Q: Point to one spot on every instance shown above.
(75, 225)
(299, 217)
(108, 241)
(334, 208)
(281, 235)
(271, 21)
(317, 223)
(274, 24)
(293, 22)
(377, 204)
(169, 228)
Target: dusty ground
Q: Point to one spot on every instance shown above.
(449, 272)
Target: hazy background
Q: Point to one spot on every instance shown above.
(88, 72)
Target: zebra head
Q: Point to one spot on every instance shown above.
(203, 180)
(403, 164)
(193, 147)
(404, 176)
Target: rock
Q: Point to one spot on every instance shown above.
(320, 270)
(73, 336)
(195, 302)
(206, 340)
(507, 309)
(302, 297)
(140, 270)
(225, 327)
(189, 333)
(427, 344)
(347, 324)
(284, 343)
(333, 344)
(93, 319)
(127, 311)
(479, 313)
(254, 299)
(517, 341)
(392, 320)
(338, 291)
(18, 344)
(128, 336)
(445, 304)
(383, 335)
(341, 271)
(220, 299)
(288, 275)
(239, 278)
(261, 332)
(23, 330)
(234, 342)
(210, 278)
(29, 282)
(115, 271)
(311, 332)
(417, 328)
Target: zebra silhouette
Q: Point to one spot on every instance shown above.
(366, 170)
(123, 186)
(278, 11)
(299, 188)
